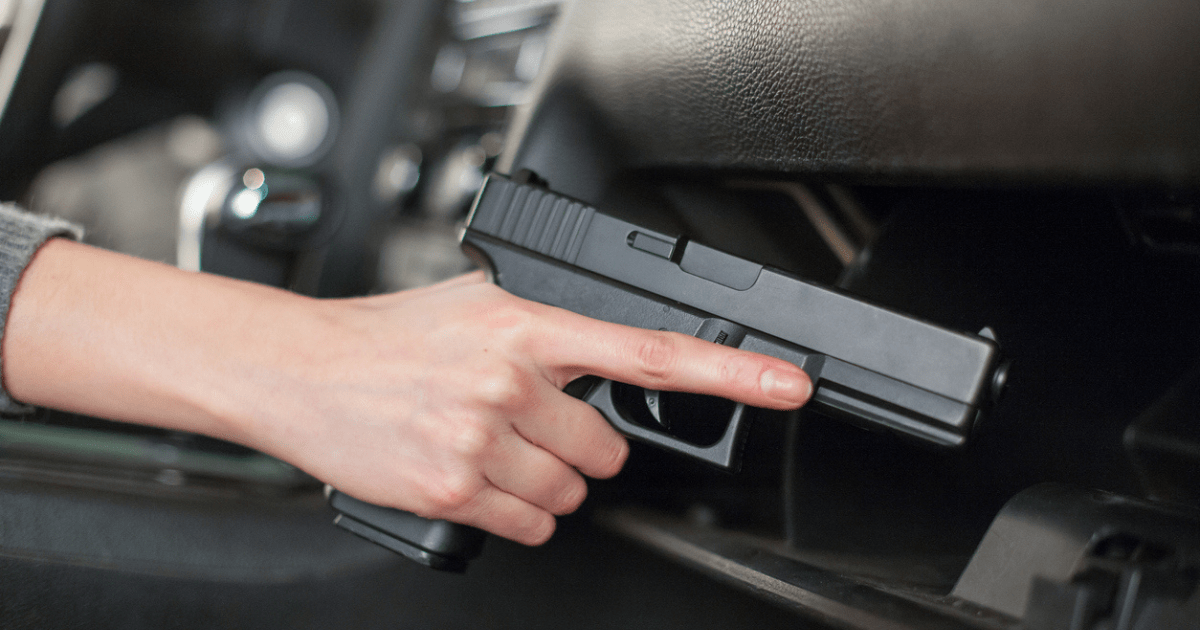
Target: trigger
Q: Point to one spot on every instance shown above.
(654, 404)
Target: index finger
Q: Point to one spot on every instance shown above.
(674, 362)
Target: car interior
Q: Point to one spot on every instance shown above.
(1026, 171)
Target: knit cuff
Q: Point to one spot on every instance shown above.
(21, 234)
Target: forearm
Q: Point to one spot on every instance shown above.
(114, 336)
(446, 401)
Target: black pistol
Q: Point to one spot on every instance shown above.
(871, 366)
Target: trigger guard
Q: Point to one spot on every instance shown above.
(724, 454)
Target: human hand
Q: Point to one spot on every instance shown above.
(447, 402)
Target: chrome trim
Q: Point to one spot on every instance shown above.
(487, 18)
(201, 197)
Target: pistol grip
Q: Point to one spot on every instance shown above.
(724, 453)
(439, 545)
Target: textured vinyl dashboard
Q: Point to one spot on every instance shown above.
(1082, 90)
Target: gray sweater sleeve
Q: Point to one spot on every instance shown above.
(21, 234)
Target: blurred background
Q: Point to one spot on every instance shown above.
(327, 147)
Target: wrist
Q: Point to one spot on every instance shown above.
(264, 373)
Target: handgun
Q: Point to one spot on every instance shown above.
(872, 366)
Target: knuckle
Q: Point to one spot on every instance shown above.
(656, 356)
(572, 497)
(470, 440)
(502, 387)
(537, 529)
(613, 459)
(451, 494)
(511, 319)
(739, 372)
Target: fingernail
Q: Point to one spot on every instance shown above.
(788, 387)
